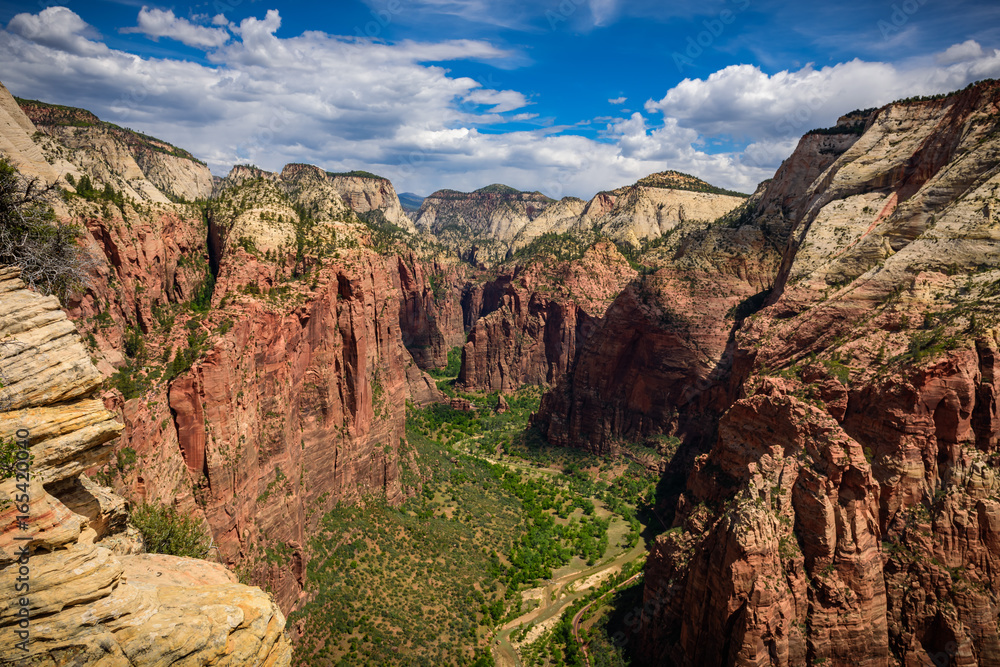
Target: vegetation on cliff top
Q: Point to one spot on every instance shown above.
(44, 113)
(33, 239)
(357, 173)
(167, 531)
(676, 180)
(495, 189)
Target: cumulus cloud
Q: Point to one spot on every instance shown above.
(618, 100)
(743, 102)
(156, 23)
(57, 28)
(344, 102)
(968, 50)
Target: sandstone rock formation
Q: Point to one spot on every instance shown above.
(76, 142)
(271, 209)
(48, 384)
(365, 193)
(655, 206)
(295, 396)
(89, 601)
(843, 513)
(481, 225)
(310, 373)
(491, 224)
(534, 317)
(431, 316)
(659, 359)
(16, 130)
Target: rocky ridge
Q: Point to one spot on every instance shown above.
(840, 507)
(76, 143)
(656, 206)
(536, 314)
(490, 225)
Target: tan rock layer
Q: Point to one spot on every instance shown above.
(87, 606)
(847, 510)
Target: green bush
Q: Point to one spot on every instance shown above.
(453, 367)
(167, 531)
(8, 458)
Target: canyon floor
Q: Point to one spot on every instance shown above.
(506, 528)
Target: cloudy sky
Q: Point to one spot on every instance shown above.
(564, 96)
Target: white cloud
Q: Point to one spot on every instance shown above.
(156, 23)
(347, 103)
(502, 100)
(618, 100)
(968, 50)
(57, 28)
(743, 102)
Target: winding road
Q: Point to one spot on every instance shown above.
(562, 590)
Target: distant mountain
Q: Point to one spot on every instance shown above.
(483, 225)
(411, 202)
(490, 224)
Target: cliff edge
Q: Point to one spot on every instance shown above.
(74, 590)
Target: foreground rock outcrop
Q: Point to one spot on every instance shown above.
(90, 599)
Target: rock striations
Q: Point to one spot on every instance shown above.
(490, 225)
(533, 318)
(90, 602)
(842, 508)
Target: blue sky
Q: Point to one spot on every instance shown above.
(565, 96)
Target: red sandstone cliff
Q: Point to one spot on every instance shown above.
(534, 316)
(263, 403)
(659, 359)
(431, 315)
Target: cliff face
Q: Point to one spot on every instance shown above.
(491, 224)
(147, 169)
(16, 130)
(431, 317)
(295, 399)
(533, 318)
(364, 194)
(294, 409)
(259, 391)
(845, 512)
(660, 359)
(656, 206)
(482, 225)
(92, 600)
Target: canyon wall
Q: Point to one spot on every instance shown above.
(660, 359)
(431, 315)
(845, 511)
(256, 391)
(489, 226)
(535, 315)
